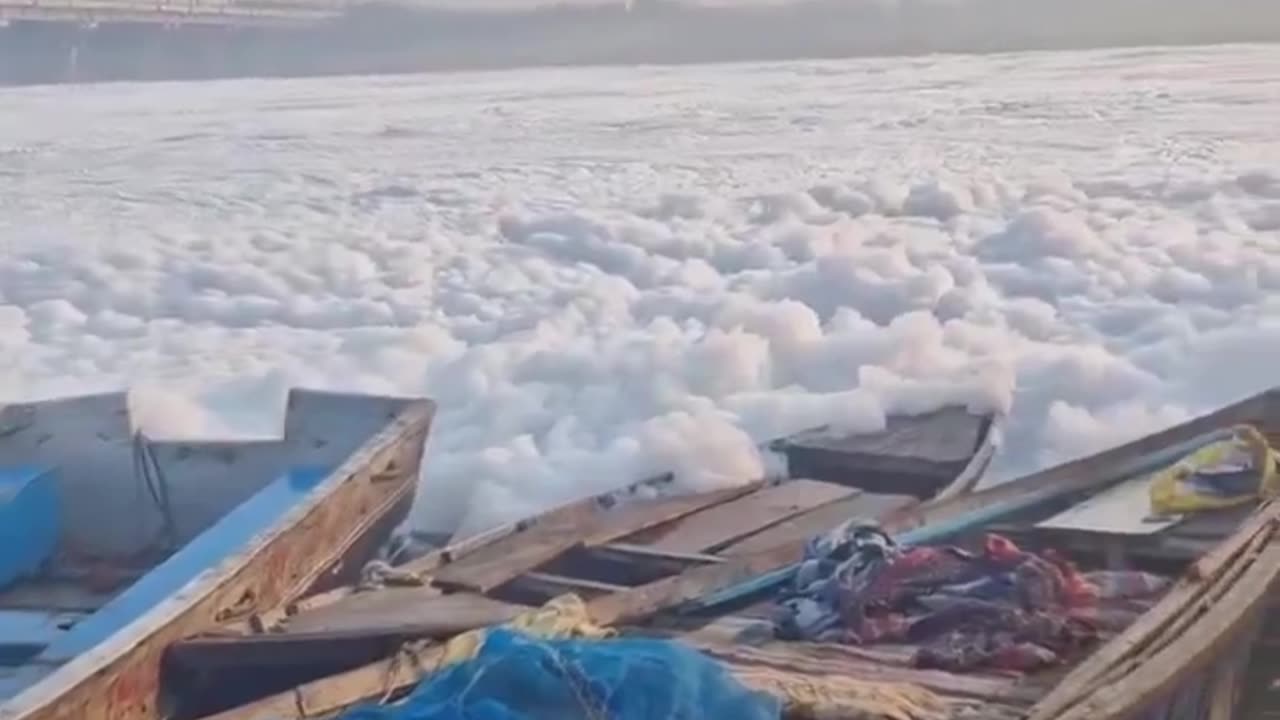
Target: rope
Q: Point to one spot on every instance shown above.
(147, 468)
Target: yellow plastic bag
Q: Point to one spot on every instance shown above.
(1221, 474)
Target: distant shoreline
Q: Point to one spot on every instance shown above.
(390, 40)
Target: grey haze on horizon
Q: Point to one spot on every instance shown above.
(396, 36)
(657, 31)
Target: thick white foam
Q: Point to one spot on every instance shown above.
(601, 274)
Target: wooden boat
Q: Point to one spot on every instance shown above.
(1205, 649)
(114, 545)
(632, 543)
(1195, 653)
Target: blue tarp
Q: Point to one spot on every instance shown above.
(519, 677)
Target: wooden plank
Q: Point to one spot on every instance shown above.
(914, 453)
(645, 600)
(709, 529)
(1121, 510)
(700, 582)
(548, 585)
(390, 618)
(828, 659)
(560, 530)
(493, 565)
(630, 552)
(321, 698)
(804, 526)
(637, 516)
(392, 607)
(837, 696)
(625, 564)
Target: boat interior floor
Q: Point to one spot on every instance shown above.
(744, 639)
(35, 610)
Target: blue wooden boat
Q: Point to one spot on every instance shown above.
(114, 545)
(626, 543)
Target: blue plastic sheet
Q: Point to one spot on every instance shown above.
(518, 677)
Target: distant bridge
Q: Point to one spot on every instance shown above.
(172, 12)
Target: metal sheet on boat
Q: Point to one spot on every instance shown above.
(1122, 510)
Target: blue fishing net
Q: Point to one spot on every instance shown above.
(518, 677)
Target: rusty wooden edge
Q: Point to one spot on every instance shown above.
(414, 418)
(357, 532)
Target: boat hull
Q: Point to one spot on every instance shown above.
(628, 554)
(321, 542)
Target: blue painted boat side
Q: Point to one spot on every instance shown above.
(24, 633)
(30, 521)
(229, 535)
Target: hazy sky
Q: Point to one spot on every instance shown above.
(535, 3)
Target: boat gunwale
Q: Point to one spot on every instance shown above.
(411, 419)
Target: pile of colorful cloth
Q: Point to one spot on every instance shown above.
(1000, 608)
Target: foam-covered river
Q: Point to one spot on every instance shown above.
(602, 272)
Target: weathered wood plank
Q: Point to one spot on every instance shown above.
(645, 600)
(560, 530)
(912, 454)
(494, 565)
(699, 582)
(625, 564)
(630, 552)
(547, 585)
(715, 527)
(638, 516)
(389, 619)
(422, 607)
(1123, 509)
(835, 696)
(804, 526)
(816, 659)
(321, 698)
